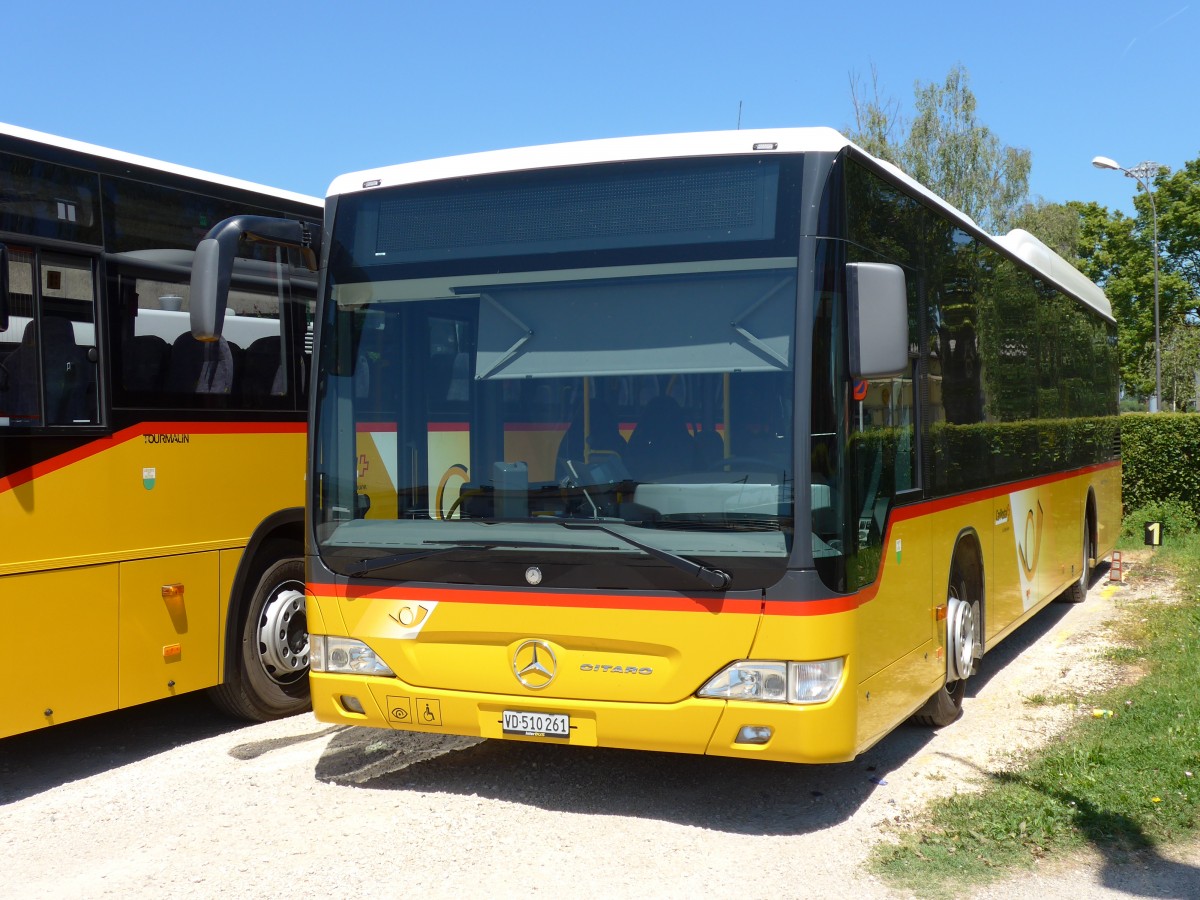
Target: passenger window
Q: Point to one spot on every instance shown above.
(48, 353)
(259, 363)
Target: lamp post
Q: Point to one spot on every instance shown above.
(1142, 173)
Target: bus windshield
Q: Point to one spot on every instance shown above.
(584, 361)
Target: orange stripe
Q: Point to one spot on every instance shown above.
(928, 507)
(133, 432)
(700, 603)
(496, 597)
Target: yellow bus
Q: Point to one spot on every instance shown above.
(564, 403)
(151, 486)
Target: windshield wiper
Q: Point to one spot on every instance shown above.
(363, 566)
(714, 578)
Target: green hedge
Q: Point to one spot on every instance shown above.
(1161, 457)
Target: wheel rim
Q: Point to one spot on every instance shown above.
(960, 637)
(1087, 552)
(283, 635)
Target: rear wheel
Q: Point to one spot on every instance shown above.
(268, 676)
(1077, 592)
(963, 649)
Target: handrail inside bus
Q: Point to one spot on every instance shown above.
(257, 272)
(3, 287)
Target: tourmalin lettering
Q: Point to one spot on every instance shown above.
(166, 438)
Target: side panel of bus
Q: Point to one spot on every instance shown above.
(114, 581)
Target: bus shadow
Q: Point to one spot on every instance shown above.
(1030, 633)
(733, 795)
(39, 761)
(1025, 637)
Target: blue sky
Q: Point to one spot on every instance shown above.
(292, 94)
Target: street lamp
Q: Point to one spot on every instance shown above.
(1141, 173)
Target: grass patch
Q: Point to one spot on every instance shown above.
(1124, 656)
(1050, 700)
(1126, 782)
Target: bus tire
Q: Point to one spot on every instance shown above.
(964, 625)
(1077, 592)
(268, 676)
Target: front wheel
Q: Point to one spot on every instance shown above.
(963, 627)
(268, 678)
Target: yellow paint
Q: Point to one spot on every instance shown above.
(88, 549)
(891, 638)
(60, 647)
(148, 622)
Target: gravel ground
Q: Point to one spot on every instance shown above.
(171, 800)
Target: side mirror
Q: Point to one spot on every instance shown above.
(212, 265)
(211, 271)
(877, 320)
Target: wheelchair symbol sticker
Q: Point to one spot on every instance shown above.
(429, 712)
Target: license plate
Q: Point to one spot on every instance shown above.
(531, 724)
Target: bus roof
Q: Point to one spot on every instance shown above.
(576, 153)
(61, 143)
(1019, 244)
(1025, 246)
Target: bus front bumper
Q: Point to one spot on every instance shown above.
(820, 733)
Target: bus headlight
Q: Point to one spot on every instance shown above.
(776, 682)
(344, 656)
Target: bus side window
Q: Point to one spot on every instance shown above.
(882, 433)
(18, 380)
(69, 374)
(262, 370)
(144, 363)
(200, 367)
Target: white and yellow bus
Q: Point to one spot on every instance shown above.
(151, 486)
(564, 403)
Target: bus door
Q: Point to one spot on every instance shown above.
(48, 353)
(50, 513)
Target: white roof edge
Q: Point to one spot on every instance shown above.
(1020, 243)
(63, 143)
(1027, 247)
(661, 146)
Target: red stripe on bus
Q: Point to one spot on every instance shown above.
(814, 607)
(528, 598)
(928, 507)
(101, 445)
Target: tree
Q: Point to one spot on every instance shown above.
(1117, 252)
(1057, 225)
(1178, 201)
(946, 148)
(1180, 365)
